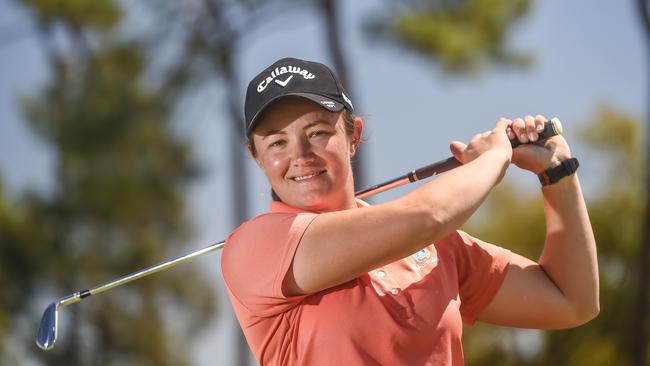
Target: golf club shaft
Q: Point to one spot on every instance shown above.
(79, 295)
(426, 171)
(552, 128)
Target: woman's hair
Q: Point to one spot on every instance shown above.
(348, 120)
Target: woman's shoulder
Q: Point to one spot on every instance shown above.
(267, 230)
(269, 222)
(461, 244)
(468, 251)
(460, 237)
(264, 246)
(455, 238)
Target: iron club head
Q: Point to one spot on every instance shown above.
(47, 331)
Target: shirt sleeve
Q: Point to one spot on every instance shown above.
(257, 257)
(481, 270)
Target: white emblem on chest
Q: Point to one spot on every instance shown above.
(422, 255)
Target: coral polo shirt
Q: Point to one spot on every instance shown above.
(409, 312)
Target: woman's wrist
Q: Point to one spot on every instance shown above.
(562, 170)
(499, 159)
(556, 160)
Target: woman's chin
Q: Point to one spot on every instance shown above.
(309, 203)
(310, 200)
(319, 197)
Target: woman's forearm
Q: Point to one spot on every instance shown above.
(569, 256)
(452, 198)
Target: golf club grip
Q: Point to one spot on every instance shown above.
(551, 128)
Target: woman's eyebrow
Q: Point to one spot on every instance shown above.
(273, 132)
(317, 122)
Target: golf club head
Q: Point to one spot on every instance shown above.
(47, 331)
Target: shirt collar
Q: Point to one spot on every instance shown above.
(281, 207)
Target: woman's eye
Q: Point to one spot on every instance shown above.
(276, 143)
(318, 133)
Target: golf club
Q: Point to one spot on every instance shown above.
(48, 329)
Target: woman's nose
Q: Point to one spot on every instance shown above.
(302, 150)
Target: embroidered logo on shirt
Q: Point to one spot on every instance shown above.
(424, 257)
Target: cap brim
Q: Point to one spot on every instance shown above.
(325, 102)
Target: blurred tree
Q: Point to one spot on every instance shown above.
(22, 263)
(330, 10)
(462, 35)
(640, 331)
(117, 206)
(615, 214)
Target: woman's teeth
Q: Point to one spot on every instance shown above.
(298, 179)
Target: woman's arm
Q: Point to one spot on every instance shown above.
(561, 290)
(339, 246)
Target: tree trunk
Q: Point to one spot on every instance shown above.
(238, 179)
(640, 330)
(330, 11)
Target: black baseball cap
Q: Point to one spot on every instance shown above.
(294, 77)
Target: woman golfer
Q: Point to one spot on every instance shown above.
(326, 279)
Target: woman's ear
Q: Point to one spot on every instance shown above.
(252, 153)
(356, 136)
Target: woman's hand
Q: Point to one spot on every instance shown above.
(533, 155)
(495, 140)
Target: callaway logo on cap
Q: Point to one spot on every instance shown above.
(294, 77)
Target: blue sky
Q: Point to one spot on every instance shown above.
(587, 53)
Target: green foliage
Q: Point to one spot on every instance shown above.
(108, 131)
(461, 35)
(620, 136)
(21, 261)
(515, 221)
(117, 207)
(99, 14)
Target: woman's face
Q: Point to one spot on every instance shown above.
(305, 154)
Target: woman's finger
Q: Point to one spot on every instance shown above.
(519, 127)
(503, 123)
(530, 128)
(457, 149)
(539, 123)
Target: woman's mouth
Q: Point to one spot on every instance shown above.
(301, 178)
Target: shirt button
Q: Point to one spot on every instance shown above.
(394, 291)
(381, 273)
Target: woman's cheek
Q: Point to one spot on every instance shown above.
(276, 163)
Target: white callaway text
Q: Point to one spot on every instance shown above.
(283, 70)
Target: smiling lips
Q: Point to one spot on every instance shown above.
(308, 176)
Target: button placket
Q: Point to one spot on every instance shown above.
(381, 278)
